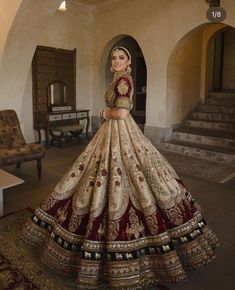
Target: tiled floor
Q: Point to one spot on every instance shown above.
(217, 200)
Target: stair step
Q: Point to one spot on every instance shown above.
(213, 116)
(220, 102)
(210, 125)
(202, 151)
(217, 109)
(223, 94)
(205, 136)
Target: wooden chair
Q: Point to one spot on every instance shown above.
(13, 148)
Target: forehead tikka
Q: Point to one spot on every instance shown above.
(122, 48)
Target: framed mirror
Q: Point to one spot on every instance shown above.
(57, 94)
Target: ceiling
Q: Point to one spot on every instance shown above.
(92, 2)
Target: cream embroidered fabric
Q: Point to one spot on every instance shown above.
(121, 217)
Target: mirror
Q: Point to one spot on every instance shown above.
(57, 94)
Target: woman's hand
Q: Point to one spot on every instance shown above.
(103, 115)
(114, 113)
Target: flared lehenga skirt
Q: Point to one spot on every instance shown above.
(120, 217)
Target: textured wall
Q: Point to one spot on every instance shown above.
(158, 26)
(184, 71)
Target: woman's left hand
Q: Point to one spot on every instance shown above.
(105, 114)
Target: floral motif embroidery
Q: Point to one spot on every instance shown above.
(123, 87)
(123, 102)
(113, 230)
(81, 167)
(119, 171)
(75, 222)
(153, 224)
(48, 203)
(136, 227)
(61, 213)
(175, 216)
(101, 231)
(122, 173)
(104, 172)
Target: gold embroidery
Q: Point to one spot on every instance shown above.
(113, 230)
(136, 227)
(121, 148)
(101, 231)
(74, 223)
(122, 87)
(89, 228)
(61, 213)
(111, 93)
(123, 102)
(153, 224)
(48, 203)
(175, 216)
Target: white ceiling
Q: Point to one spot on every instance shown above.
(92, 2)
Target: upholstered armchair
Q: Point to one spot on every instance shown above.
(13, 148)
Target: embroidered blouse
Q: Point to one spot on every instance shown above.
(120, 92)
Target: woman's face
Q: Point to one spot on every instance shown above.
(120, 60)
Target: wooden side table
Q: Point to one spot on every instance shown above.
(48, 121)
(7, 180)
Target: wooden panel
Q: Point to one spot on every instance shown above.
(52, 64)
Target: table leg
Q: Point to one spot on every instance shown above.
(87, 128)
(1, 202)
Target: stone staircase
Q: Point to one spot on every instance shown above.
(209, 132)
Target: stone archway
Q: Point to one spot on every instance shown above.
(184, 75)
(201, 123)
(189, 71)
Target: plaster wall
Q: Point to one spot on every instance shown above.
(183, 82)
(73, 30)
(64, 30)
(157, 26)
(8, 10)
(24, 28)
(68, 31)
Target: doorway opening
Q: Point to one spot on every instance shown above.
(139, 74)
(221, 61)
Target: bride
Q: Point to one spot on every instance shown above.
(120, 218)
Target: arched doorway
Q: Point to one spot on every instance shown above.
(201, 93)
(139, 74)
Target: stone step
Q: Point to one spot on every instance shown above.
(205, 136)
(202, 151)
(219, 101)
(210, 125)
(213, 116)
(223, 94)
(216, 109)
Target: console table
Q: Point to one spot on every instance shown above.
(7, 180)
(60, 121)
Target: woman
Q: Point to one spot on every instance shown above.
(121, 217)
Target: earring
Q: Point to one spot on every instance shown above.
(112, 70)
(128, 69)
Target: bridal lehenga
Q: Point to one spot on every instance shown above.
(121, 217)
